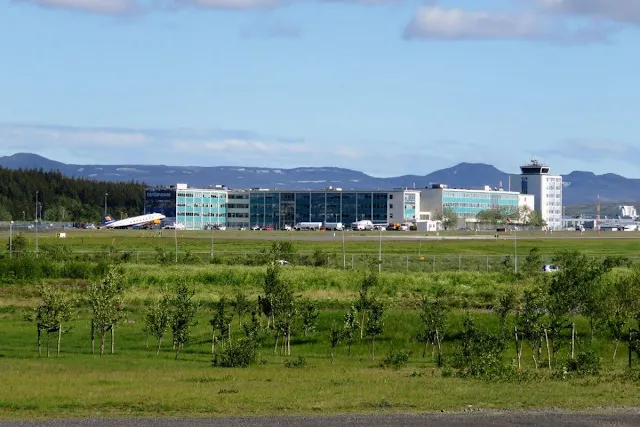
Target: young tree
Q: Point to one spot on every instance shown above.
(375, 323)
(241, 306)
(157, 320)
(433, 314)
(18, 244)
(620, 301)
(221, 322)
(369, 281)
(529, 325)
(309, 313)
(449, 218)
(506, 304)
(182, 315)
(106, 299)
(54, 310)
(335, 336)
(536, 220)
(532, 262)
(350, 327)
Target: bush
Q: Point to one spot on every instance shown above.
(397, 358)
(480, 353)
(300, 362)
(238, 355)
(586, 363)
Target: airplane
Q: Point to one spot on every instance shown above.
(149, 219)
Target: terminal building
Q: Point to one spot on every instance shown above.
(199, 209)
(218, 206)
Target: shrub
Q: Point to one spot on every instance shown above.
(240, 354)
(586, 363)
(397, 358)
(300, 362)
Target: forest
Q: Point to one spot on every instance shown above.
(61, 198)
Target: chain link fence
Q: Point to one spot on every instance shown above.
(389, 262)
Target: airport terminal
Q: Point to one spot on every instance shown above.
(218, 206)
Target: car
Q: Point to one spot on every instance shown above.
(283, 262)
(550, 268)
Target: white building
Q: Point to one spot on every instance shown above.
(627, 212)
(536, 179)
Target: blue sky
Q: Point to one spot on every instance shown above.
(388, 87)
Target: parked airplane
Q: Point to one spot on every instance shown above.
(149, 219)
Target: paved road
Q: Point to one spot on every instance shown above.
(478, 419)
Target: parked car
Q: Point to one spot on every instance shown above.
(550, 268)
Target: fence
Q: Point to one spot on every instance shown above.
(390, 262)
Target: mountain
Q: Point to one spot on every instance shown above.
(580, 187)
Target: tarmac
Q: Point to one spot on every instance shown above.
(479, 419)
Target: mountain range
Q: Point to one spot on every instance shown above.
(579, 187)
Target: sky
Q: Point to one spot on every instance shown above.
(387, 87)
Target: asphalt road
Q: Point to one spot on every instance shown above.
(479, 419)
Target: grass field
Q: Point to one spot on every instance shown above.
(355, 242)
(136, 382)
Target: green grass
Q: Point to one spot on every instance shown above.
(135, 382)
(255, 241)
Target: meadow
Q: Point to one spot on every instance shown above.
(134, 381)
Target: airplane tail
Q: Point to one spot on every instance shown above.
(107, 219)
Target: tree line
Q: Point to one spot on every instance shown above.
(60, 198)
(539, 322)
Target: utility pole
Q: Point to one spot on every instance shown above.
(380, 251)
(11, 240)
(105, 203)
(344, 253)
(598, 216)
(212, 227)
(37, 223)
(515, 249)
(175, 238)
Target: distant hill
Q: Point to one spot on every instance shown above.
(580, 187)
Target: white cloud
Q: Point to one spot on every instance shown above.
(437, 22)
(106, 7)
(442, 23)
(232, 4)
(613, 10)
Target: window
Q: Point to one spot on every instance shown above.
(391, 206)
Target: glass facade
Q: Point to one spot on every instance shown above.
(409, 206)
(161, 201)
(198, 209)
(277, 209)
(467, 204)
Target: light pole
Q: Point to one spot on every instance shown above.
(344, 253)
(212, 227)
(380, 252)
(11, 239)
(175, 238)
(105, 203)
(37, 223)
(515, 250)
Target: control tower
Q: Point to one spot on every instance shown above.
(536, 179)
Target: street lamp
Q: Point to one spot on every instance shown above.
(11, 239)
(212, 227)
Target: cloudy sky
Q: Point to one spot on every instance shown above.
(384, 86)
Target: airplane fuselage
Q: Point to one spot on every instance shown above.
(136, 220)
